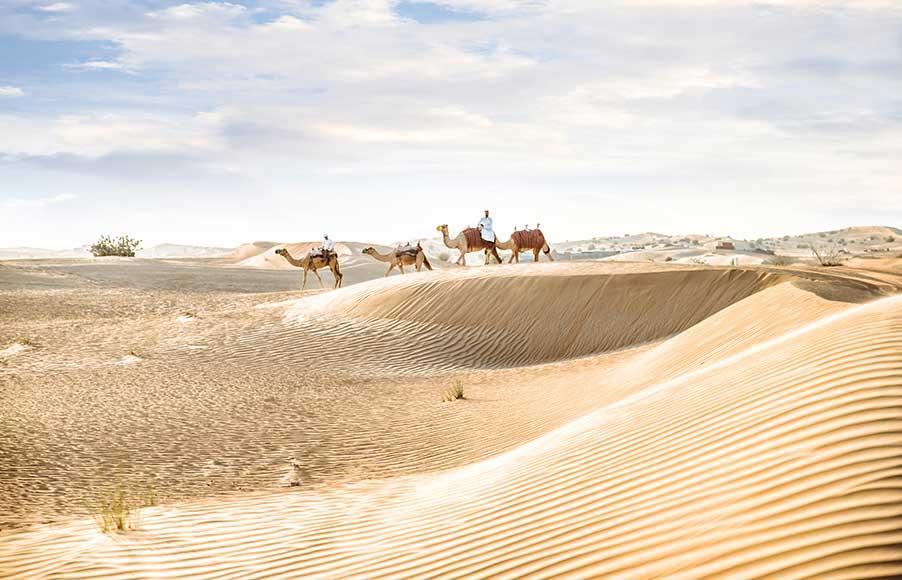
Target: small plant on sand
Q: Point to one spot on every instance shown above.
(779, 260)
(119, 511)
(829, 256)
(110, 246)
(150, 497)
(25, 341)
(455, 392)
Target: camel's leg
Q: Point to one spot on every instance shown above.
(336, 273)
(461, 260)
(535, 255)
(304, 285)
(419, 262)
(318, 277)
(390, 268)
(495, 254)
(486, 257)
(401, 266)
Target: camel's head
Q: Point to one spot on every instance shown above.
(442, 228)
(281, 251)
(369, 250)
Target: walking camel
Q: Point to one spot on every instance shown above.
(469, 240)
(525, 241)
(400, 257)
(312, 262)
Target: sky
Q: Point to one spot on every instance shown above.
(219, 123)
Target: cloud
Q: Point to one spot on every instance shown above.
(98, 65)
(656, 100)
(57, 7)
(11, 92)
(40, 202)
(96, 135)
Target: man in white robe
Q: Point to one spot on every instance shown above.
(485, 228)
(328, 247)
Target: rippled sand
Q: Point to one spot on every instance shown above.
(629, 420)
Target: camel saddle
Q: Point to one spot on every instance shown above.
(529, 239)
(408, 250)
(321, 253)
(474, 238)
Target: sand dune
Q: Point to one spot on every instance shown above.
(623, 420)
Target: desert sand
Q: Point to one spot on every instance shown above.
(621, 419)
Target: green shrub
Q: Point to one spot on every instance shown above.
(110, 246)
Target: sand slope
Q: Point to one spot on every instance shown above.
(680, 422)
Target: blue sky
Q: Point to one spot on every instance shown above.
(225, 122)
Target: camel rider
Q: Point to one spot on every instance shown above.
(328, 247)
(486, 230)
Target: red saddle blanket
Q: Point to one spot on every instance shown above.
(474, 238)
(528, 239)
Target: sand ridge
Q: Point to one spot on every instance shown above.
(738, 412)
(788, 443)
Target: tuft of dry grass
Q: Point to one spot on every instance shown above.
(456, 391)
(779, 260)
(25, 341)
(120, 511)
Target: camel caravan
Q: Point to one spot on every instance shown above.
(479, 239)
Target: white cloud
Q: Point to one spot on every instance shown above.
(57, 7)
(204, 9)
(40, 202)
(98, 65)
(93, 136)
(653, 100)
(11, 92)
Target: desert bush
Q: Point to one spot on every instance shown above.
(829, 256)
(779, 260)
(455, 392)
(120, 511)
(890, 239)
(110, 246)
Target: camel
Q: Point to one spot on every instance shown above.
(467, 241)
(526, 240)
(401, 257)
(312, 262)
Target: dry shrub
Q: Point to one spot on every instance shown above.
(456, 391)
(828, 256)
(779, 260)
(120, 511)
